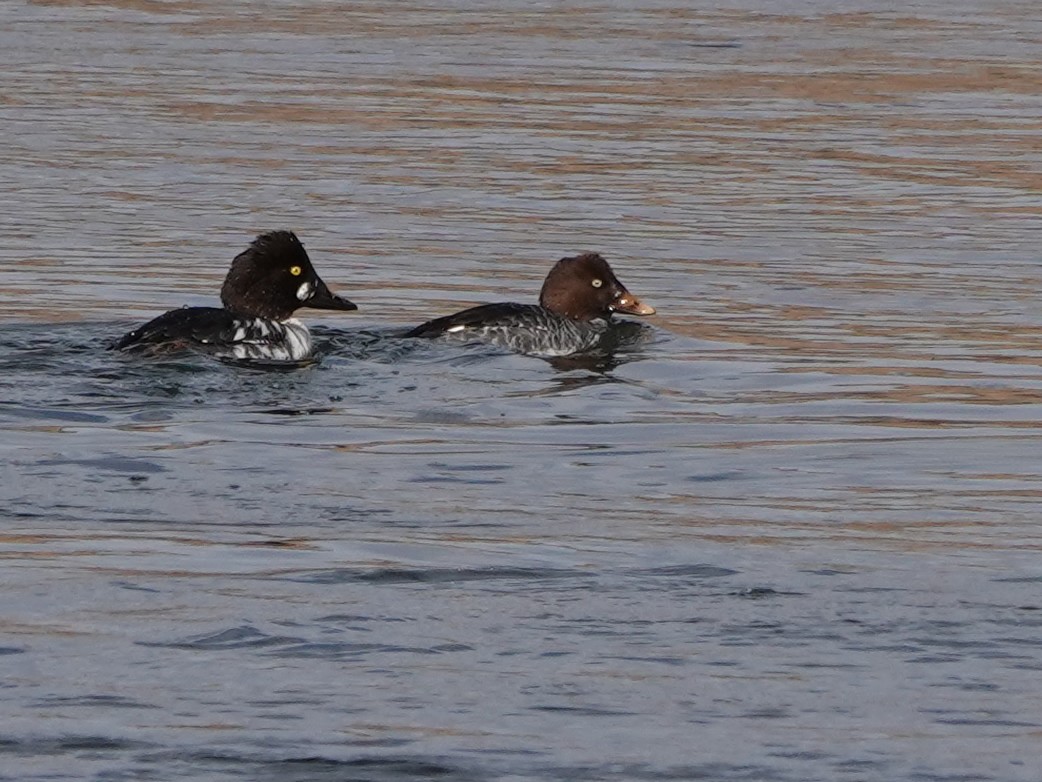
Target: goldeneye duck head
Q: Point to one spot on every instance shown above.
(274, 277)
(585, 288)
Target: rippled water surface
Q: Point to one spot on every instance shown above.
(790, 534)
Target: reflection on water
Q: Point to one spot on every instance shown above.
(787, 532)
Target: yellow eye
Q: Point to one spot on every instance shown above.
(597, 283)
(295, 270)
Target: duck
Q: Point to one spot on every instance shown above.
(267, 283)
(574, 315)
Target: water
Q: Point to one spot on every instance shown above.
(793, 535)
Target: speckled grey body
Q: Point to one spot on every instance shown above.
(536, 332)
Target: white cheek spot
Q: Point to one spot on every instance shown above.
(304, 291)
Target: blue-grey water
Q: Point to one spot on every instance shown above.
(791, 534)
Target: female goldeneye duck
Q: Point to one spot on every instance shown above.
(576, 303)
(266, 284)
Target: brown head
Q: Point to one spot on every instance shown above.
(585, 288)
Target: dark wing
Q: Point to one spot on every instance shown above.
(183, 327)
(487, 315)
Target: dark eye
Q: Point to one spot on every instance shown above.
(295, 270)
(597, 283)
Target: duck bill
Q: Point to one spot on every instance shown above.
(324, 299)
(629, 304)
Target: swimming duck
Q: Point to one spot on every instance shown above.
(266, 284)
(576, 304)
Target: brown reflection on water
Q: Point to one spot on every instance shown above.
(850, 196)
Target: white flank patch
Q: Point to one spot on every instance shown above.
(298, 339)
